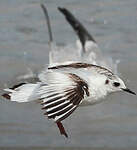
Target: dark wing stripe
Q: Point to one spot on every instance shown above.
(58, 107)
(53, 99)
(75, 100)
(65, 115)
(70, 95)
(70, 92)
(74, 97)
(17, 85)
(53, 104)
(60, 112)
(74, 65)
(99, 69)
(52, 95)
(80, 30)
(48, 101)
(49, 92)
(61, 103)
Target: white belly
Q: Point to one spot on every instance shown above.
(90, 101)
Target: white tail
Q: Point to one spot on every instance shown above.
(22, 92)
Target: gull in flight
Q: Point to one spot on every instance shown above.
(80, 76)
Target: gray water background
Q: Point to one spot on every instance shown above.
(24, 44)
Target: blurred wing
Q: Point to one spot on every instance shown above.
(87, 50)
(90, 52)
(80, 30)
(62, 94)
(48, 22)
(59, 54)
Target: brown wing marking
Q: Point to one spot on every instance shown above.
(99, 69)
(60, 107)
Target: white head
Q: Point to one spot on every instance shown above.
(115, 84)
(105, 82)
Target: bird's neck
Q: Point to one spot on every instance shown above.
(97, 90)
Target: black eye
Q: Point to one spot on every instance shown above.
(116, 84)
(107, 82)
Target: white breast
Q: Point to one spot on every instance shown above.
(96, 84)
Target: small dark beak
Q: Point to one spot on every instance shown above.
(129, 91)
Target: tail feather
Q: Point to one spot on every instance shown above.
(7, 96)
(23, 92)
(80, 30)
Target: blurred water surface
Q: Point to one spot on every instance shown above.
(24, 44)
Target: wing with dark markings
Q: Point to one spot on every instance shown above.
(80, 30)
(62, 95)
(48, 21)
(92, 67)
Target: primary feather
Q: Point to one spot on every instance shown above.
(66, 83)
(62, 94)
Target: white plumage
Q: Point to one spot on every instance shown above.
(75, 76)
(24, 93)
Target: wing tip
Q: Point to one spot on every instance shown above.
(65, 11)
(61, 8)
(81, 31)
(43, 6)
(17, 85)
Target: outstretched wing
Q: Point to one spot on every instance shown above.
(48, 22)
(80, 30)
(59, 54)
(62, 94)
(89, 50)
